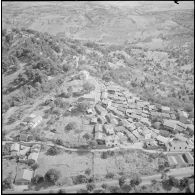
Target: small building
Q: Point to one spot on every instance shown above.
(101, 119)
(100, 138)
(93, 121)
(15, 147)
(23, 177)
(98, 128)
(188, 158)
(165, 109)
(24, 150)
(25, 137)
(100, 110)
(162, 139)
(35, 121)
(165, 115)
(89, 111)
(112, 141)
(170, 124)
(181, 161)
(177, 146)
(34, 156)
(36, 148)
(109, 129)
(145, 121)
(172, 162)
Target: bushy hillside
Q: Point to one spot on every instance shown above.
(33, 63)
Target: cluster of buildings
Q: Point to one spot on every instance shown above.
(121, 118)
(22, 153)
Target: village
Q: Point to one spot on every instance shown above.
(118, 119)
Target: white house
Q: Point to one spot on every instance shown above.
(35, 121)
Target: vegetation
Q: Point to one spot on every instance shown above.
(52, 151)
(52, 176)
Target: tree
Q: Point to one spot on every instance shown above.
(136, 180)
(79, 179)
(59, 142)
(90, 186)
(30, 162)
(110, 175)
(166, 184)
(88, 171)
(37, 179)
(114, 189)
(122, 180)
(52, 151)
(71, 126)
(7, 183)
(173, 181)
(52, 176)
(88, 87)
(126, 188)
(34, 166)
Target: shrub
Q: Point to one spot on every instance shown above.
(122, 180)
(37, 179)
(126, 188)
(34, 166)
(59, 142)
(136, 180)
(53, 151)
(82, 191)
(71, 126)
(7, 183)
(79, 179)
(114, 189)
(104, 155)
(90, 186)
(88, 86)
(104, 186)
(30, 162)
(52, 176)
(61, 191)
(110, 175)
(88, 171)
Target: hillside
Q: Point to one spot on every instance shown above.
(102, 86)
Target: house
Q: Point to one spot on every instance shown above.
(172, 162)
(109, 129)
(172, 115)
(119, 129)
(180, 137)
(34, 156)
(136, 133)
(162, 139)
(35, 121)
(188, 158)
(112, 141)
(165, 109)
(180, 127)
(118, 113)
(177, 146)
(165, 115)
(100, 138)
(89, 111)
(93, 121)
(170, 124)
(25, 137)
(100, 110)
(101, 119)
(24, 150)
(130, 120)
(104, 95)
(23, 177)
(181, 162)
(111, 119)
(98, 128)
(106, 103)
(15, 147)
(36, 148)
(145, 121)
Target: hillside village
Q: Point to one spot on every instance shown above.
(97, 97)
(117, 119)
